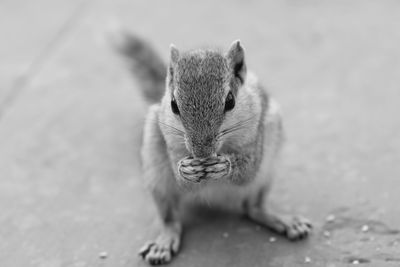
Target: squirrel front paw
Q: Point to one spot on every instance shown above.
(196, 170)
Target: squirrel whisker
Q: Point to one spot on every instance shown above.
(235, 127)
(173, 129)
(239, 123)
(232, 131)
(169, 132)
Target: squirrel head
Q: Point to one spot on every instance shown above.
(202, 86)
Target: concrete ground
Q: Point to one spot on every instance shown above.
(71, 192)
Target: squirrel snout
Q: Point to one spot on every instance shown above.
(203, 148)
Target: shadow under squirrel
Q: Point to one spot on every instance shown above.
(211, 134)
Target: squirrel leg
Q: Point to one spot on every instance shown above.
(167, 243)
(160, 181)
(291, 226)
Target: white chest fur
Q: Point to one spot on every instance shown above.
(223, 194)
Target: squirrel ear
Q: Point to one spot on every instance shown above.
(174, 57)
(236, 60)
(174, 54)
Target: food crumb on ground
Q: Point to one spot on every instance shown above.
(330, 218)
(103, 255)
(327, 234)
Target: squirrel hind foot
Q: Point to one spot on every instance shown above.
(162, 250)
(293, 228)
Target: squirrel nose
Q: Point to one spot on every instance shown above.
(203, 148)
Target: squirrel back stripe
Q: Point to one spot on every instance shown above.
(144, 63)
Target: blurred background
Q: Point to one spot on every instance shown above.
(71, 192)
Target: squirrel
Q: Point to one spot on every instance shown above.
(212, 133)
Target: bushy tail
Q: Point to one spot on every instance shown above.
(144, 63)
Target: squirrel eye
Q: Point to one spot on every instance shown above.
(229, 102)
(174, 106)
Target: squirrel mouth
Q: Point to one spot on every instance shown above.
(202, 149)
(203, 155)
(212, 156)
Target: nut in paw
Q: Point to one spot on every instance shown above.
(196, 170)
